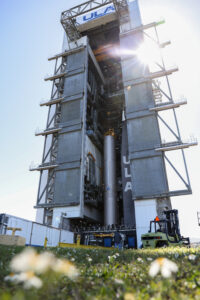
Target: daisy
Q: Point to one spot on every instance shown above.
(163, 265)
(139, 259)
(65, 267)
(27, 278)
(30, 260)
(89, 259)
(192, 257)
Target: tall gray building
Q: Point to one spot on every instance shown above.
(104, 159)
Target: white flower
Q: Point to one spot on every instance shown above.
(24, 261)
(12, 277)
(149, 258)
(89, 259)
(119, 281)
(117, 295)
(65, 267)
(139, 259)
(27, 278)
(28, 263)
(45, 261)
(29, 260)
(33, 281)
(117, 254)
(112, 258)
(192, 257)
(163, 265)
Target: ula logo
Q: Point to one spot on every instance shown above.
(99, 13)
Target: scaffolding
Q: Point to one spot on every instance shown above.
(95, 57)
(168, 104)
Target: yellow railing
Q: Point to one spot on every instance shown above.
(66, 245)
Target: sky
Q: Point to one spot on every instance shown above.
(30, 33)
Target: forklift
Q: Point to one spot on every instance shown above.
(164, 232)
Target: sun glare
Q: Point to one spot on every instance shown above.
(148, 53)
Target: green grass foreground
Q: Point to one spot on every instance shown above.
(109, 278)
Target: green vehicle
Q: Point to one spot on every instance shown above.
(164, 232)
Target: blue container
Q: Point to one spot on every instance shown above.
(131, 241)
(107, 242)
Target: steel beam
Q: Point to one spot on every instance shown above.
(168, 106)
(56, 76)
(150, 77)
(44, 167)
(177, 147)
(141, 28)
(48, 131)
(51, 101)
(67, 52)
(83, 8)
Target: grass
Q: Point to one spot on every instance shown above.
(118, 277)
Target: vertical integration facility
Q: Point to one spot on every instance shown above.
(104, 160)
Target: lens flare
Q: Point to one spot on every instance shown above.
(148, 53)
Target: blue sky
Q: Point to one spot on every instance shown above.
(30, 33)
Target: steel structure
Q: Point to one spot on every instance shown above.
(98, 87)
(70, 23)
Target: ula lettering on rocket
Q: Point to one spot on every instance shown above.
(98, 14)
(127, 175)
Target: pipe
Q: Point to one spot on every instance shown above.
(110, 211)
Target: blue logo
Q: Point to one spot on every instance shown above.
(99, 13)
